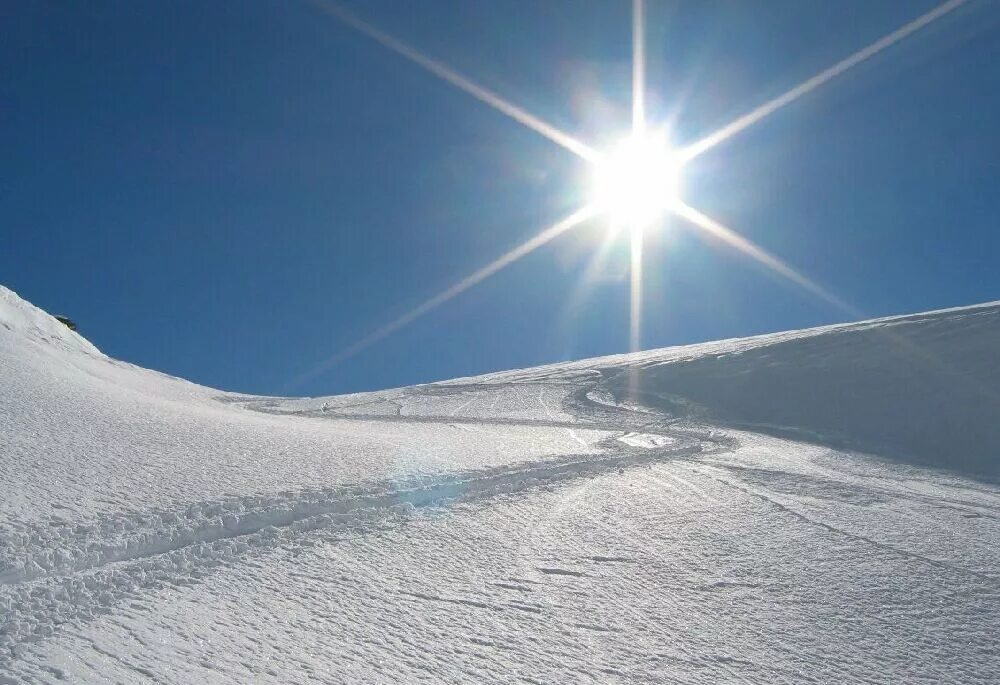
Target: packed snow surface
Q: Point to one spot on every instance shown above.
(812, 506)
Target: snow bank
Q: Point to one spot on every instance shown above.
(922, 388)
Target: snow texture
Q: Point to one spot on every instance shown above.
(815, 506)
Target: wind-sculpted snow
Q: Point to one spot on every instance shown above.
(625, 519)
(923, 389)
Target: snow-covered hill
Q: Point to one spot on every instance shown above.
(811, 506)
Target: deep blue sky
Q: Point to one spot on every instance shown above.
(233, 191)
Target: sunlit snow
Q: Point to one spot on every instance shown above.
(811, 506)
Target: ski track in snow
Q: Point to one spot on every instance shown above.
(50, 574)
(574, 523)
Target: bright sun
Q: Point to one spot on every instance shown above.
(637, 181)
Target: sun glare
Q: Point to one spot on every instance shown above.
(637, 182)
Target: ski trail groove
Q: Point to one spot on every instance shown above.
(56, 575)
(51, 575)
(68, 549)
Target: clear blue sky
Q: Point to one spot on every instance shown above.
(234, 191)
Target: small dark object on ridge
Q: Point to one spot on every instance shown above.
(70, 324)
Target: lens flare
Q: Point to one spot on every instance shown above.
(509, 257)
(768, 108)
(713, 229)
(449, 75)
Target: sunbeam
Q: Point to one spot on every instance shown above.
(751, 118)
(591, 274)
(638, 67)
(732, 239)
(506, 259)
(456, 79)
(640, 215)
(635, 291)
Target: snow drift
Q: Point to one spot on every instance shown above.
(924, 388)
(745, 510)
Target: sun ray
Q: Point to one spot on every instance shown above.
(638, 67)
(591, 273)
(506, 259)
(732, 239)
(638, 130)
(818, 80)
(635, 292)
(456, 79)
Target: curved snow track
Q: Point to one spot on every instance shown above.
(51, 573)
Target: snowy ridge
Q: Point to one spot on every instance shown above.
(30, 323)
(630, 519)
(730, 345)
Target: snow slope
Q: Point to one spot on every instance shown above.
(811, 506)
